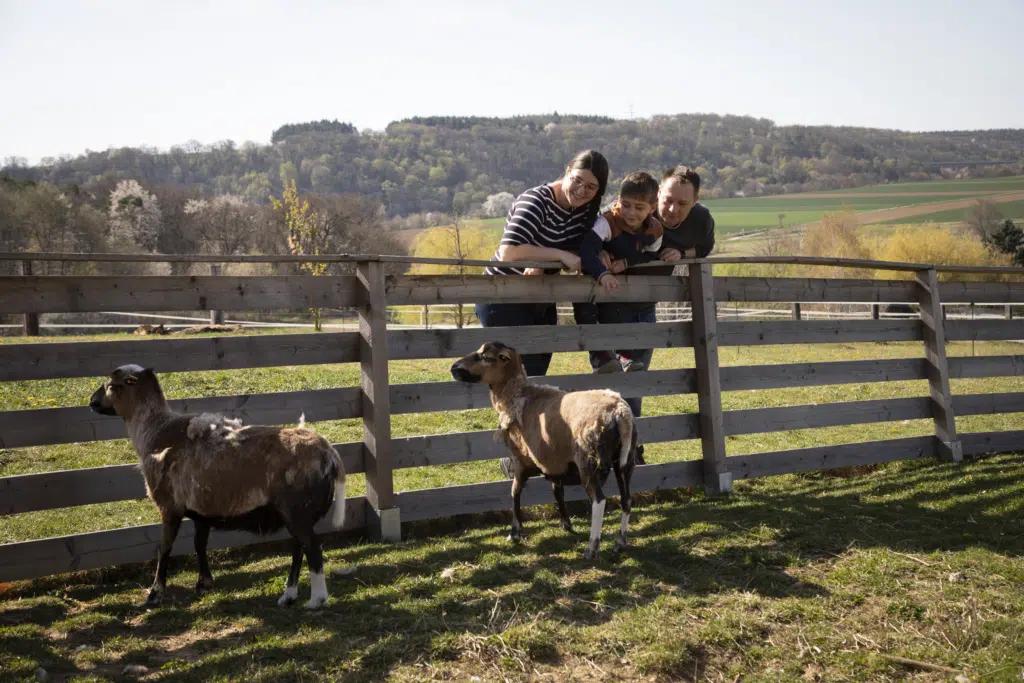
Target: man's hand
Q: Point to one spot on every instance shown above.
(669, 255)
(618, 265)
(606, 259)
(533, 271)
(609, 283)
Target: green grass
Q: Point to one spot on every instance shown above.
(1013, 210)
(790, 578)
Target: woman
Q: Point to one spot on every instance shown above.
(546, 223)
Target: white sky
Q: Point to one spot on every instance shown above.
(77, 74)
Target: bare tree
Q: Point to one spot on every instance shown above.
(984, 217)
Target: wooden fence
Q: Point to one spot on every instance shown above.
(378, 454)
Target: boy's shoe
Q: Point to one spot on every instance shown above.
(629, 365)
(611, 366)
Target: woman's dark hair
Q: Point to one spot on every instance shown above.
(593, 161)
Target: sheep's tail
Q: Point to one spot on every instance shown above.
(338, 509)
(627, 434)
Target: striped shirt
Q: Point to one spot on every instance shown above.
(535, 218)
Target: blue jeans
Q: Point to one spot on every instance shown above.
(611, 313)
(518, 315)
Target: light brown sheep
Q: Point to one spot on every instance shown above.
(224, 475)
(568, 437)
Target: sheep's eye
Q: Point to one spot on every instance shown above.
(488, 360)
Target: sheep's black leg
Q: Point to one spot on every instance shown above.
(517, 512)
(291, 591)
(205, 582)
(315, 558)
(558, 487)
(169, 531)
(622, 477)
(592, 485)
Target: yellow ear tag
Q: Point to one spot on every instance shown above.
(129, 381)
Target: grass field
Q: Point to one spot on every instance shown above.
(979, 185)
(799, 577)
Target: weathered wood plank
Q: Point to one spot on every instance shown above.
(98, 359)
(376, 401)
(766, 332)
(445, 449)
(178, 293)
(32, 559)
(717, 478)
(964, 367)
(981, 292)
(977, 443)
(813, 290)
(406, 344)
(828, 457)
(984, 330)
(429, 397)
(761, 420)
(72, 425)
(988, 404)
(739, 378)
(453, 289)
(496, 495)
(933, 333)
(91, 485)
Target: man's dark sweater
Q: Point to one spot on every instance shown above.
(696, 232)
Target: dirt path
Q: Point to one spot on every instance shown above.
(900, 212)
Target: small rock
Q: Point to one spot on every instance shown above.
(956, 577)
(962, 679)
(42, 675)
(85, 648)
(448, 573)
(135, 670)
(474, 678)
(345, 571)
(623, 661)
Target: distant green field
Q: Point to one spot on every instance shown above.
(733, 215)
(1014, 210)
(982, 185)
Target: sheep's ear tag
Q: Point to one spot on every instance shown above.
(130, 380)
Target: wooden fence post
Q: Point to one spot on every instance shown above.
(382, 517)
(949, 446)
(717, 477)
(30, 328)
(876, 311)
(216, 317)
(796, 310)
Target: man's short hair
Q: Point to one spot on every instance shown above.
(683, 174)
(640, 185)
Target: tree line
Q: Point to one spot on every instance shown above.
(446, 163)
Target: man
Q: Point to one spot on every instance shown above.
(689, 227)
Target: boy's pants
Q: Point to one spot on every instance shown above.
(611, 313)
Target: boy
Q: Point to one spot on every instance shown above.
(625, 235)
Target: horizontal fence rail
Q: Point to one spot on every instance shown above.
(370, 292)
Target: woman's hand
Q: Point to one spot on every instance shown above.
(533, 271)
(570, 262)
(606, 259)
(618, 266)
(669, 255)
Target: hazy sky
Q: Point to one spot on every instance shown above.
(77, 75)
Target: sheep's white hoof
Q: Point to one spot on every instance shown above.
(592, 550)
(316, 602)
(291, 594)
(155, 598)
(515, 539)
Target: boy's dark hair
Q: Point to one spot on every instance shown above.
(683, 174)
(640, 185)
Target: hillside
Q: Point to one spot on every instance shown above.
(426, 164)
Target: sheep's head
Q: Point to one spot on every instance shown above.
(492, 364)
(125, 389)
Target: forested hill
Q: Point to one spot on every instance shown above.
(426, 163)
